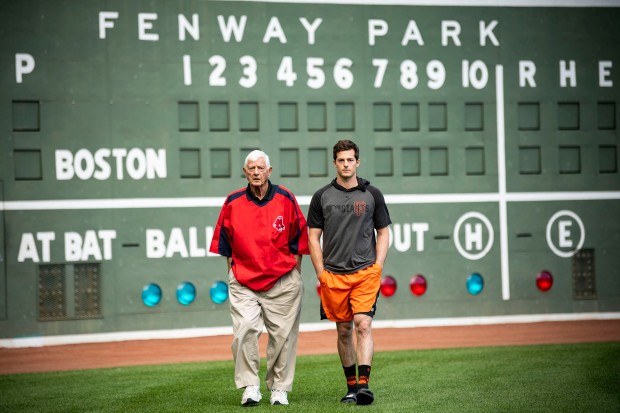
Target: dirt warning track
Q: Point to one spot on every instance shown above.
(149, 352)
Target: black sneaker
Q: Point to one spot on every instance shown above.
(365, 396)
(350, 397)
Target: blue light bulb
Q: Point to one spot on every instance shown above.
(219, 292)
(186, 293)
(475, 284)
(151, 295)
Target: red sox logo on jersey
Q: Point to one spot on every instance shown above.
(279, 224)
(360, 208)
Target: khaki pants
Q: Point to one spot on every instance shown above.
(278, 310)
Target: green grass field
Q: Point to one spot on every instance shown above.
(548, 378)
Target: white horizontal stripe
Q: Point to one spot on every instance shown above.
(562, 196)
(489, 320)
(132, 203)
(477, 3)
(121, 203)
(495, 197)
(304, 327)
(441, 198)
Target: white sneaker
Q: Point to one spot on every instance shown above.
(278, 397)
(251, 396)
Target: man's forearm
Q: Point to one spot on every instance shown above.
(317, 261)
(383, 242)
(316, 254)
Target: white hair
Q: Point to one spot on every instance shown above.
(256, 155)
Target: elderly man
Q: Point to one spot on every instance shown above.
(262, 232)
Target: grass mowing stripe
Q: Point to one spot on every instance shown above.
(544, 378)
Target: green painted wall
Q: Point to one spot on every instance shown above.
(117, 127)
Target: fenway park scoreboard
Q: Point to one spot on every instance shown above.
(491, 130)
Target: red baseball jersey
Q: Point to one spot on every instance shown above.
(262, 236)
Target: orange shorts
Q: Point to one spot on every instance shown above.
(343, 295)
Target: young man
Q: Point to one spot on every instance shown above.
(262, 232)
(347, 212)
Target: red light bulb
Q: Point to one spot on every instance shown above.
(544, 281)
(418, 285)
(388, 286)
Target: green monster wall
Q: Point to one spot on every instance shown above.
(492, 132)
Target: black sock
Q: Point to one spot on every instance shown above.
(364, 371)
(349, 373)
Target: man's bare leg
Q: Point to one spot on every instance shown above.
(365, 352)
